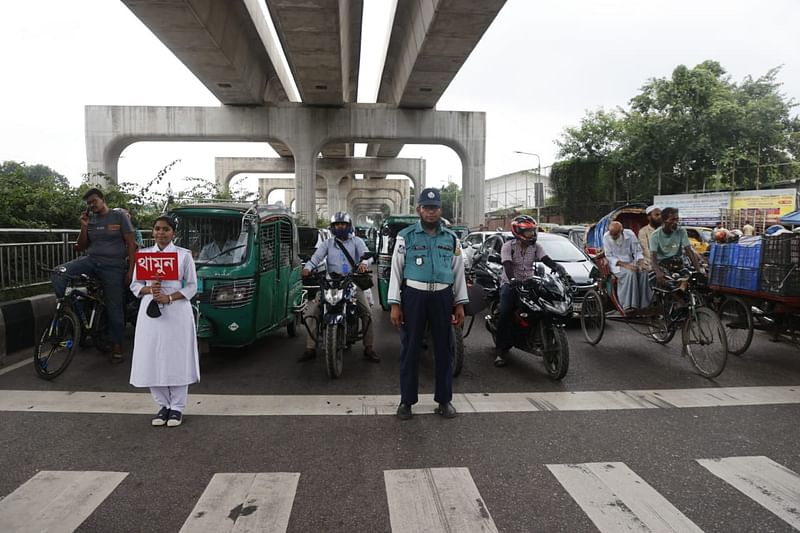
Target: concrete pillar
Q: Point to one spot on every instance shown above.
(305, 176)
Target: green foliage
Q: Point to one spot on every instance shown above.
(696, 130)
(36, 197)
(452, 199)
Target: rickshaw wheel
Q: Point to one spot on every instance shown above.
(737, 319)
(593, 317)
(334, 348)
(705, 342)
(658, 329)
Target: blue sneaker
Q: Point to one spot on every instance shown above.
(161, 417)
(175, 419)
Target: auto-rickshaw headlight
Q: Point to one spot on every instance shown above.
(233, 294)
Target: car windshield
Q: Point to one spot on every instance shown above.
(561, 249)
(216, 240)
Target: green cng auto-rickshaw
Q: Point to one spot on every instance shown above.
(248, 270)
(389, 229)
(369, 234)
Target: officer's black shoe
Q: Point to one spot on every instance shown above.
(403, 411)
(499, 361)
(370, 355)
(446, 410)
(308, 355)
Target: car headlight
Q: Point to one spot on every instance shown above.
(333, 296)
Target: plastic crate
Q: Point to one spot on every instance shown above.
(750, 256)
(781, 280)
(746, 279)
(781, 249)
(719, 274)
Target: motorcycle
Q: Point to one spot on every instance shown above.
(341, 326)
(543, 304)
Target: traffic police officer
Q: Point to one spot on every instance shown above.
(427, 287)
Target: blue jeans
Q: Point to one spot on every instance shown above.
(111, 276)
(504, 338)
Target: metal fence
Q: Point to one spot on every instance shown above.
(26, 254)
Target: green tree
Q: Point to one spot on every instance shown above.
(452, 199)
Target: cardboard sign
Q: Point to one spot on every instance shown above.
(156, 265)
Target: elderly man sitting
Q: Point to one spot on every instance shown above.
(627, 263)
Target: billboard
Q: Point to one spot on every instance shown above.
(703, 209)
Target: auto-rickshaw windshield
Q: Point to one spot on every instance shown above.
(217, 240)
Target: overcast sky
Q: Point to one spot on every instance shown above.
(538, 68)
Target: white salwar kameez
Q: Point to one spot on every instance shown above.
(165, 348)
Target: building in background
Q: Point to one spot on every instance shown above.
(523, 189)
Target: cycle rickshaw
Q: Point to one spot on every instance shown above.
(679, 305)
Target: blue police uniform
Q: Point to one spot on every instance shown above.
(427, 280)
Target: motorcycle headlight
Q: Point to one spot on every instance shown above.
(333, 296)
(558, 307)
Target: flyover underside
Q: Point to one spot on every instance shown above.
(429, 43)
(322, 44)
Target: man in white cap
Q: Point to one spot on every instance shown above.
(654, 222)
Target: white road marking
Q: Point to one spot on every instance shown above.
(18, 364)
(290, 405)
(243, 503)
(616, 499)
(56, 501)
(435, 499)
(761, 479)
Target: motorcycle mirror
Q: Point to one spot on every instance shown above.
(494, 258)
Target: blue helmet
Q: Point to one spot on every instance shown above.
(338, 218)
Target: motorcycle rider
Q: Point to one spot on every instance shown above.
(337, 263)
(519, 256)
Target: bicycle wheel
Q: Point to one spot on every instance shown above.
(57, 345)
(658, 327)
(737, 319)
(593, 317)
(101, 332)
(705, 342)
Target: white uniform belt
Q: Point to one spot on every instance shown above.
(425, 286)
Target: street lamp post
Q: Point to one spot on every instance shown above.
(538, 177)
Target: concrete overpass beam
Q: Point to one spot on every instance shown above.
(305, 130)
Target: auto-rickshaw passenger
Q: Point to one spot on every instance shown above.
(222, 249)
(338, 263)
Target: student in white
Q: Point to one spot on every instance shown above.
(165, 356)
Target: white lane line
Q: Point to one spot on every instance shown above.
(299, 405)
(616, 499)
(56, 501)
(244, 502)
(435, 499)
(761, 479)
(18, 364)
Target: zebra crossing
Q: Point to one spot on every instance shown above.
(614, 498)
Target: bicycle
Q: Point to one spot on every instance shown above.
(678, 306)
(79, 316)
